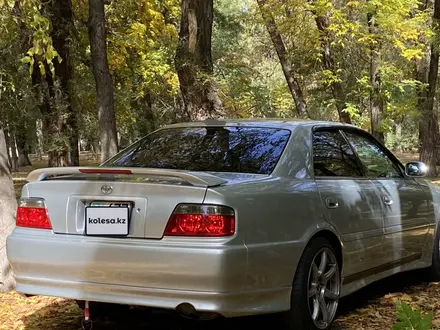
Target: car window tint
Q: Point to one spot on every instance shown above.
(373, 157)
(216, 149)
(332, 156)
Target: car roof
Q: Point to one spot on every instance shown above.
(260, 122)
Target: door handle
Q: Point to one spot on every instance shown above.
(331, 203)
(387, 200)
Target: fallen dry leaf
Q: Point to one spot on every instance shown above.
(372, 308)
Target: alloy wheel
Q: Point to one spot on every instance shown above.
(324, 286)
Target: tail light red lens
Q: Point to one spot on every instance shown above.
(201, 220)
(32, 213)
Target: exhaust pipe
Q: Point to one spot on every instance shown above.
(188, 311)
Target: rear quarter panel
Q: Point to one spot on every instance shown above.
(275, 219)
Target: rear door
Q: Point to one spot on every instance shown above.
(405, 204)
(350, 202)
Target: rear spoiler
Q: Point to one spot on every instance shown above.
(198, 179)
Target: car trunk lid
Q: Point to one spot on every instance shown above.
(148, 196)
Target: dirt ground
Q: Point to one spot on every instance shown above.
(369, 309)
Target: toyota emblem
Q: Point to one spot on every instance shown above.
(106, 189)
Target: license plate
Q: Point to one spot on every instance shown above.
(106, 221)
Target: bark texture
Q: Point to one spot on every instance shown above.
(376, 100)
(103, 79)
(8, 146)
(286, 64)
(14, 155)
(62, 23)
(429, 128)
(194, 61)
(23, 149)
(8, 205)
(54, 123)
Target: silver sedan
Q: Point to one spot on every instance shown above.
(228, 218)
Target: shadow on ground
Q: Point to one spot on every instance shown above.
(67, 316)
(370, 293)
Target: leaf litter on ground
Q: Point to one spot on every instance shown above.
(372, 308)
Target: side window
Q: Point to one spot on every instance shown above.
(373, 157)
(332, 156)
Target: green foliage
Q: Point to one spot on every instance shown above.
(142, 40)
(246, 68)
(410, 319)
(17, 102)
(41, 52)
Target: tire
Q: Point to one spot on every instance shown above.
(305, 312)
(434, 270)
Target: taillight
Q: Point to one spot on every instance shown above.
(201, 220)
(32, 213)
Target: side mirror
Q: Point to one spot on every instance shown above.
(416, 169)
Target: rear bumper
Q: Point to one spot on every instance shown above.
(157, 273)
(231, 304)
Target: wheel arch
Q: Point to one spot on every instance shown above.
(334, 240)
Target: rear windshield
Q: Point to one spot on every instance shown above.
(211, 149)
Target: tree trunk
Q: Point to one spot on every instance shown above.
(23, 157)
(8, 146)
(194, 61)
(286, 65)
(55, 124)
(143, 109)
(398, 137)
(40, 138)
(40, 94)
(74, 143)
(376, 100)
(47, 88)
(13, 150)
(429, 128)
(62, 23)
(322, 22)
(8, 205)
(22, 144)
(95, 149)
(32, 138)
(103, 79)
